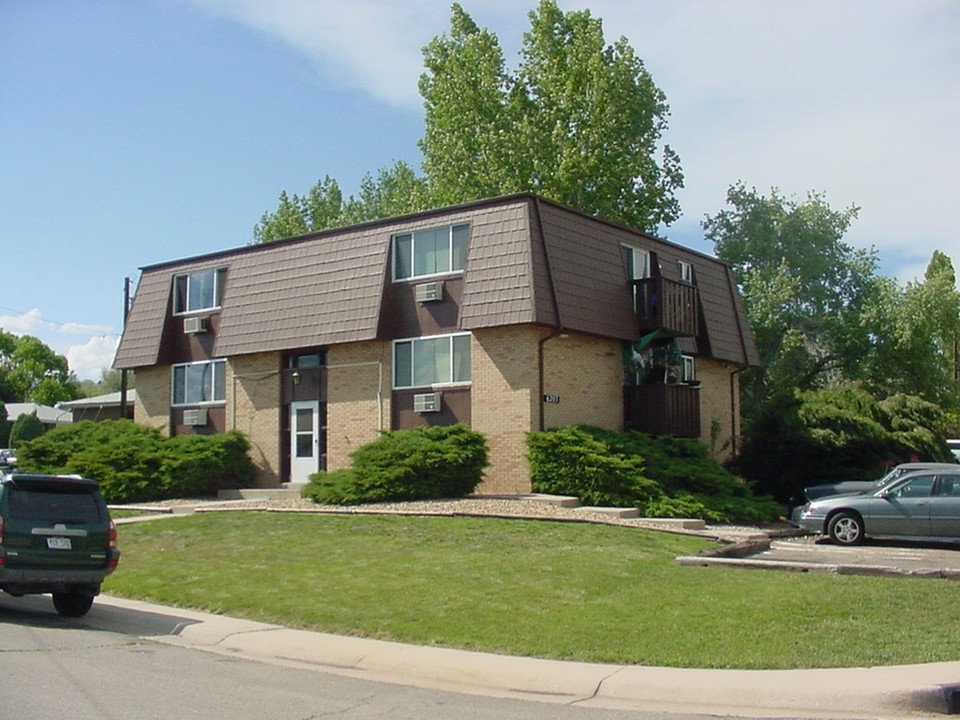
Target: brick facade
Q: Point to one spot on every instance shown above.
(253, 392)
(359, 381)
(504, 389)
(719, 409)
(586, 375)
(153, 398)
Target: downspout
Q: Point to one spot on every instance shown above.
(558, 330)
(734, 415)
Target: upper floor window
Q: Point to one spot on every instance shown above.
(686, 272)
(636, 262)
(199, 382)
(199, 290)
(429, 252)
(688, 372)
(427, 361)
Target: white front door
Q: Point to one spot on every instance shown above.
(304, 440)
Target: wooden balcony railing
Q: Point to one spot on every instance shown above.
(663, 409)
(667, 305)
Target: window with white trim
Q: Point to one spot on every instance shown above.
(197, 291)
(429, 361)
(429, 252)
(199, 382)
(636, 262)
(689, 371)
(686, 272)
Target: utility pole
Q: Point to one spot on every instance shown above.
(123, 372)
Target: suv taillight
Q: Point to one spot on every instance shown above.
(113, 556)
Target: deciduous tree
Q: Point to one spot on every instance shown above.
(580, 122)
(32, 372)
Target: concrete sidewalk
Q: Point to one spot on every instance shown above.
(907, 691)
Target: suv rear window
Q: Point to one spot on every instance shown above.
(53, 503)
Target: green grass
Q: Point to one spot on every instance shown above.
(558, 590)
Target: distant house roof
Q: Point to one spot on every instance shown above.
(99, 401)
(529, 261)
(45, 414)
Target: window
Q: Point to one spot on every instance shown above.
(200, 382)
(423, 362)
(200, 290)
(918, 486)
(689, 373)
(636, 262)
(429, 252)
(307, 360)
(686, 272)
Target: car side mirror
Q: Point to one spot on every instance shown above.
(885, 494)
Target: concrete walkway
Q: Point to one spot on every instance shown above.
(915, 691)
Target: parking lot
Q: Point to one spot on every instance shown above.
(804, 554)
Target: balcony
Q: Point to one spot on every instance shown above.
(669, 306)
(663, 409)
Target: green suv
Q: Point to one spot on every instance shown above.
(56, 536)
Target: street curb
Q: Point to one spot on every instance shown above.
(915, 690)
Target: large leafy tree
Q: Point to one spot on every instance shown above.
(396, 190)
(914, 333)
(32, 372)
(579, 122)
(804, 288)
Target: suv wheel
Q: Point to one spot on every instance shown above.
(72, 604)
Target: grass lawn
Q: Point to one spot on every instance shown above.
(547, 589)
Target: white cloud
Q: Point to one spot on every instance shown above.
(27, 323)
(90, 359)
(857, 99)
(86, 360)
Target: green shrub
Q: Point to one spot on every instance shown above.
(423, 463)
(25, 428)
(134, 463)
(662, 476)
(805, 438)
(335, 487)
(570, 461)
(198, 465)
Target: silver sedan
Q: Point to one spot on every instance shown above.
(918, 506)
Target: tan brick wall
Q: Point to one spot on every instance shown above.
(587, 375)
(504, 389)
(717, 413)
(152, 407)
(253, 399)
(359, 382)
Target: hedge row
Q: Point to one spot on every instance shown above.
(134, 463)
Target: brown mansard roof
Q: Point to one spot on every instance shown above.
(529, 261)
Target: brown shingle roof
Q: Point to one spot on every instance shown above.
(529, 261)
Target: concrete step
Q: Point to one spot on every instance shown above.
(259, 494)
(614, 512)
(677, 523)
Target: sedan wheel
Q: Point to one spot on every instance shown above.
(846, 529)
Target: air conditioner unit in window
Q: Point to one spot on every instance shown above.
(426, 402)
(429, 292)
(195, 417)
(192, 325)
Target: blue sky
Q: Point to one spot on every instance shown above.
(138, 131)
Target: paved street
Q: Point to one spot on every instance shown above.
(103, 667)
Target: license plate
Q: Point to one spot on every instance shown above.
(58, 543)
